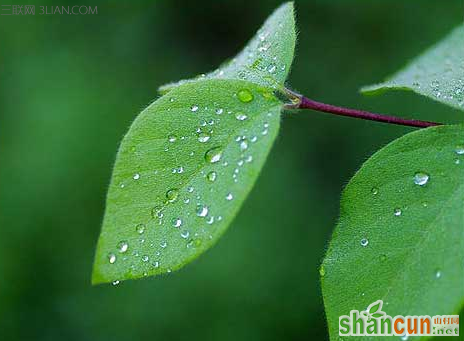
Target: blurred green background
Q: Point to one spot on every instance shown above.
(70, 85)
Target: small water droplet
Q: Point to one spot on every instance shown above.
(457, 161)
(172, 195)
(244, 145)
(112, 258)
(163, 244)
(190, 189)
(210, 220)
(240, 116)
(438, 274)
(213, 155)
(140, 228)
(203, 137)
(176, 222)
(185, 234)
(156, 264)
(172, 99)
(202, 210)
(219, 111)
(211, 176)
(272, 68)
(245, 95)
(194, 108)
(397, 212)
(374, 190)
(145, 258)
(459, 150)
(123, 246)
(364, 242)
(322, 271)
(157, 212)
(172, 138)
(116, 282)
(136, 176)
(229, 196)
(421, 178)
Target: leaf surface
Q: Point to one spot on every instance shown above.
(182, 172)
(438, 73)
(265, 60)
(400, 237)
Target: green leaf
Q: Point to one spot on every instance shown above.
(182, 172)
(265, 60)
(401, 226)
(438, 73)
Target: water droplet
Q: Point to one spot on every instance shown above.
(145, 258)
(213, 155)
(248, 159)
(156, 264)
(172, 138)
(457, 161)
(397, 212)
(136, 176)
(240, 116)
(322, 271)
(172, 195)
(194, 108)
(140, 228)
(219, 111)
(271, 68)
(157, 212)
(244, 145)
(176, 222)
(203, 137)
(229, 196)
(210, 220)
(202, 210)
(438, 274)
(171, 99)
(123, 246)
(405, 337)
(190, 189)
(364, 242)
(116, 282)
(185, 234)
(245, 95)
(112, 258)
(459, 150)
(374, 190)
(163, 244)
(421, 178)
(211, 176)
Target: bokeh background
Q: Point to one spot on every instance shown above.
(70, 87)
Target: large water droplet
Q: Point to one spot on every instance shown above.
(421, 178)
(202, 210)
(172, 195)
(245, 95)
(213, 155)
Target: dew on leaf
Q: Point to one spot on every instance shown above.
(459, 150)
(245, 95)
(438, 274)
(213, 155)
(115, 282)
(172, 195)
(219, 111)
(140, 228)
(172, 138)
(240, 116)
(176, 222)
(202, 210)
(229, 196)
(145, 258)
(163, 244)
(397, 212)
(421, 178)
(364, 242)
(194, 108)
(136, 176)
(211, 176)
(374, 190)
(112, 258)
(185, 234)
(123, 246)
(203, 137)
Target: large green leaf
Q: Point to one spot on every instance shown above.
(438, 73)
(400, 237)
(266, 59)
(181, 174)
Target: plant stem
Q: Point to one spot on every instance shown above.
(306, 103)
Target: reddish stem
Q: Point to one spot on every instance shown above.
(306, 103)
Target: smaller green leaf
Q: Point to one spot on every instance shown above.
(182, 172)
(265, 60)
(377, 315)
(438, 73)
(374, 308)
